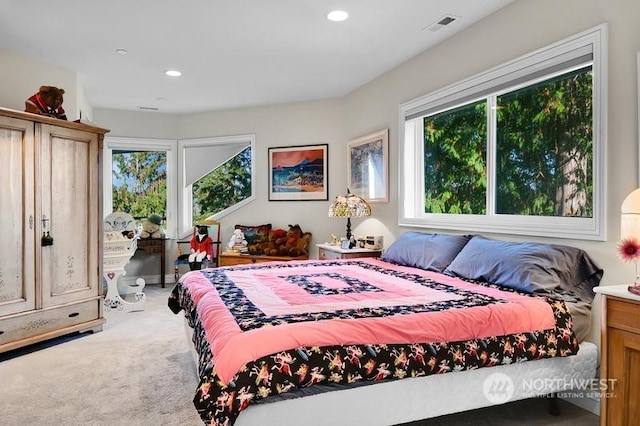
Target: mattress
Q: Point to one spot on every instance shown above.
(413, 399)
(335, 323)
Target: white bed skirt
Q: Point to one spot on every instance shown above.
(412, 399)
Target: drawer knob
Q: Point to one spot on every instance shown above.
(73, 314)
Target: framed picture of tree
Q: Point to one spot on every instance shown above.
(299, 173)
(368, 166)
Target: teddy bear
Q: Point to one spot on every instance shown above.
(275, 240)
(152, 227)
(296, 242)
(48, 101)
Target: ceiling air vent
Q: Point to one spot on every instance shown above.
(442, 22)
(144, 108)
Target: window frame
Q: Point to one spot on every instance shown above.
(185, 201)
(411, 151)
(135, 144)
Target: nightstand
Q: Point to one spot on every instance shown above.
(620, 355)
(328, 252)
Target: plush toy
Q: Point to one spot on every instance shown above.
(237, 241)
(201, 247)
(296, 242)
(152, 227)
(275, 239)
(48, 101)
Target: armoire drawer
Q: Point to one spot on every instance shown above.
(33, 323)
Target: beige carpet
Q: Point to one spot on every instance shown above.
(139, 371)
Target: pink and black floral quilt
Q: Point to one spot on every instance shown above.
(271, 329)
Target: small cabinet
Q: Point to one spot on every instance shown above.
(328, 252)
(50, 271)
(620, 356)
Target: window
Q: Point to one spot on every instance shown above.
(518, 149)
(138, 176)
(218, 177)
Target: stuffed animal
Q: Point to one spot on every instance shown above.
(237, 241)
(296, 242)
(48, 101)
(201, 247)
(152, 227)
(276, 238)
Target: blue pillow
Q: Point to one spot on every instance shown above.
(432, 252)
(529, 267)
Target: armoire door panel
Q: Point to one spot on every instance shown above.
(17, 264)
(69, 169)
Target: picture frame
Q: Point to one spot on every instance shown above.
(299, 173)
(345, 244)
(368, 166)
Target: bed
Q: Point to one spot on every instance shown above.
(440, 324)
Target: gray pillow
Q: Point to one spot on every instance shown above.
(529, 267)
(432, 252)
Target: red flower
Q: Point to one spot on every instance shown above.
(629, 249)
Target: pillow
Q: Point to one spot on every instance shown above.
(254, 233)
(529, 267)
(432, 252)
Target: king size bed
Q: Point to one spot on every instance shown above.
(440, 324)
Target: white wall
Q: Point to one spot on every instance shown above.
(22, 77)
(305, 123)
(517, 29)
(137, 124)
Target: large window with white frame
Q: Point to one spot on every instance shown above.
(139, 178)
(183, 181)
(216, 177)
(519, 149)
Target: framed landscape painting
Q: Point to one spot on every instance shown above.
(299, 173)
(368, 166)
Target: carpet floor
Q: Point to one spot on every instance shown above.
(138, 371)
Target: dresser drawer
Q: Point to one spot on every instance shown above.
(29, 324)
(328, 255)
(623, 314)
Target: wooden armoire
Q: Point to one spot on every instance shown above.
(50, 228)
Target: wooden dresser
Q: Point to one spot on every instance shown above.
(51, 227)
(620, 356)
(230, 258)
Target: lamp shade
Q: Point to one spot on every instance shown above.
(348, 206)
(630, 216)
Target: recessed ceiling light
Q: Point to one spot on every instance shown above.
(121, 51)
(173, 73)
(337, 15)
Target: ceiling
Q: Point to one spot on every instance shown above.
(232, 53)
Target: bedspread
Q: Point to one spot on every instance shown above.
(265, 329)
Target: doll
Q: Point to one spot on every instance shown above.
(201, 248)
(237, 242)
